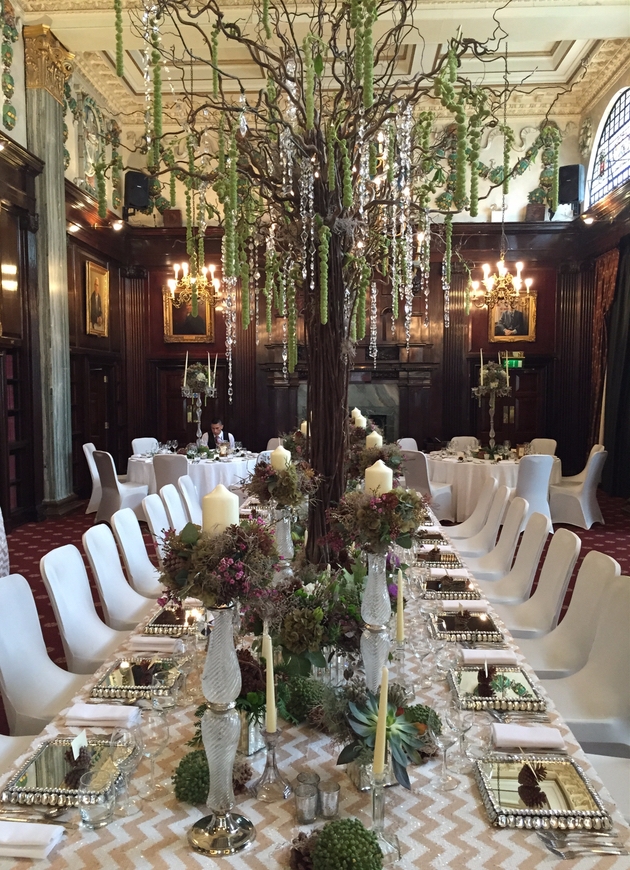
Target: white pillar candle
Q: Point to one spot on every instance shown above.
(280, 458)
(355, 413)
(378, 478)
(186, 368)
(374, 440)
(380, 742)
(400, 610)
(360, 422)
(271, 714)
(304, 428)
(219, 510)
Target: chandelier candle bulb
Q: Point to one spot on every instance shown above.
(219, 510)
(378, 765)
(271, 715)
(280, 458)
(400, 610)
(359, 421)
(374, 440)
(378, 478)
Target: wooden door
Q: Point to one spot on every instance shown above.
(521, 416)
(101, 409)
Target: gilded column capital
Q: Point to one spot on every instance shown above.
(48, 63)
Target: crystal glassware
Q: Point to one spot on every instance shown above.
(271, 786)
(154, 740)
(126, 748)
(388, 843)
(444, 739)
(376, 611)
(462, 720)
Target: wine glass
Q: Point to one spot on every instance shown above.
(155, 735)
(185, 659)
(444, 738)
(462, 721)
(126, 751)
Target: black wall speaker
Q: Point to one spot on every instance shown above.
(571, 183)
(136, 189)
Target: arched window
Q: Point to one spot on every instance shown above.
(610, 160)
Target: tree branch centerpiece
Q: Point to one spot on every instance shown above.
(493, 382)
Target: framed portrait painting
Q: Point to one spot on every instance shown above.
(96, 300)
(181, 325)
(517, 324)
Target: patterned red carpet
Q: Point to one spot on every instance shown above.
(30, 542)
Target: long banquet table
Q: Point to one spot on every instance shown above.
(435, 829)
(206, 474)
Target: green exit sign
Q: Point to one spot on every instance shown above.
(515, 363)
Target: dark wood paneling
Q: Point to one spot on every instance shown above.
(456, 389)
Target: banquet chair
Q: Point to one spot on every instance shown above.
(417, 477)
(273, 443)
(116, 495)
(5, 565)
(10, 750)
(484, 541)
(142, 574)
(595, 701)
(497, 563)
(532, 483)
(123, 607)
(476, 520)
(516, 586)
(566, 649)
(87, 641)
(615, 774)
(175, 512)
(157, 521)
(263, 456)
(168, 468)
(577, 504)
(95, 498)
(463, 443)
(190, 499)
(144, 445)
(579, 478)
(539, 614)
(407, 444)
(545, 446)
(34, 688)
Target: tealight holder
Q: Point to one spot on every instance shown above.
(271, 786)
(388, 843)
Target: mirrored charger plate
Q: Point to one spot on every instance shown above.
(131, 678)
(465, 627)
(511, 689)
(439, 560)
(553, 793)
(50, 777)
(431, 536)
(173, 620)
(450, 589)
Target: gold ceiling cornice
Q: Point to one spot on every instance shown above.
(47, 62)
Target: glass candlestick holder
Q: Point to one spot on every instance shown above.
(401, 675)
(271, 786)
(388, 843)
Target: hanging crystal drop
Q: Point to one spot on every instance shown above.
(446, 289)
(242, 121)
(373, 351)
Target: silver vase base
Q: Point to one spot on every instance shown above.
(389, 846)
(222, 834)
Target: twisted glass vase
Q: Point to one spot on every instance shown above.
(284, 542)
(223, 832)
(376, 610)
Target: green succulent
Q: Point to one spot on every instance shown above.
(345, 844)
(191, 779)
(421, 714)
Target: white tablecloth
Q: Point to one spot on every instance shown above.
(206, 474)
(467, 478)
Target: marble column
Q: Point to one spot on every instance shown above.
(48, 66)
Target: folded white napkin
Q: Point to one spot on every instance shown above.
(154, 643)
(102, 716)
(28, 839)
(492, 656)
(452, 572)
(471, 606)
(524, 737)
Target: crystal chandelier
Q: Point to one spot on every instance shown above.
(500, 288)
(191, 288)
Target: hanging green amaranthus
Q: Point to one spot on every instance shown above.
(265, 18)
(354, 12)
(173, 190)
(346, 168)
(214, 59)
(448, 245)
(460, 184)
(508, 141)
(324, 243)
(359, 54)
(120, 57)
(309, 82)
(330, 158)
(364, 282)
(475, 150)
(368, 55)
(373, 159)
(556, 170)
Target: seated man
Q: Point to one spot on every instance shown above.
(219, 435)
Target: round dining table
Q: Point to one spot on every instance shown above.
(206, 474)
(468, 476)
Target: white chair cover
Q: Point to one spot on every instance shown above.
(10, 750)
(539, 614)
(614, 772)
(484, 541)
(123, 607)
(498, 561)
(532, 484)
(543, 445)
(168, 468)
(516, 586)
(417, 477)
(577, 505)
(34, 688)
(87, 641)
(273, 443)
(190, 499)
(141, 572)
(157, 520)
(144, 445)
(5, 567)
(476, 520)
(595, 701)
(116, 495)
(95, 498)
(407, 444)
(579, 478)
(264, 456)
(566, 649)
(464, 442)
(175, 512)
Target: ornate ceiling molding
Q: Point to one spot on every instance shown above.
(114, 95)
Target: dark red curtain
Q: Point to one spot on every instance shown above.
(605, 282)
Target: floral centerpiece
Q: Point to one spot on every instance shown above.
(493, 383)
(237, 564)
(361, 457)
(373, 522)
(287, 488)
(295, 443)
(198, 378)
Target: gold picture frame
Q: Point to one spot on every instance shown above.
(180, 325)
(522, 318)
(96, 300)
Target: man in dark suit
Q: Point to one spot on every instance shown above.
(511, 321)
